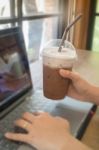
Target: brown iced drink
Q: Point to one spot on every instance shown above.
(54, 86)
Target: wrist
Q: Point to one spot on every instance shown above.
(93, 94)
(72, 143)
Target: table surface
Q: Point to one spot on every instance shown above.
(88, 66)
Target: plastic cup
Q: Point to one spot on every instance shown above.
(54, 86)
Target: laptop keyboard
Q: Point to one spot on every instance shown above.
(31, 104)
(75, 112)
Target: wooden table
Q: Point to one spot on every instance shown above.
(88, 66)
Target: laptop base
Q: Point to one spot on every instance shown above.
(77, 113)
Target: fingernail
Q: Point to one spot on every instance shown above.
(7, 134)
(62, 71)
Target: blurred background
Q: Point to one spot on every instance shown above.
(42, 20)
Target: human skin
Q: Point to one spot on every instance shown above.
(79, 88)
(46, 132)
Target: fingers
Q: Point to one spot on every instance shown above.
(16, 137)
(38, 113)
(69, 74)
(28, 117)
(23, 124)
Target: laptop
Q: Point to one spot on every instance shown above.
(18, 95)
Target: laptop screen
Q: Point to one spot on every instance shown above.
(14, 69)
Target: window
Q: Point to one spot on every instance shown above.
(5, 8)
(39, 20)
(93, 35)
(95, 40)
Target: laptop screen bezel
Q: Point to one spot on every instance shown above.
(12, 99)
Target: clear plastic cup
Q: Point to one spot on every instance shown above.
(54, 86)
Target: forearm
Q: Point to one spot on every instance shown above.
(74, 144)
(68, 142)
(93, 94)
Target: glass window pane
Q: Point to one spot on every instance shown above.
(4, 8)
(8, 25)
(16, 9)
(8, 8)
(95, 42)
(4, 26)
(31, 7)
(97, 6)
(37, 33)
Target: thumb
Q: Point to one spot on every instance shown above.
(69, 74)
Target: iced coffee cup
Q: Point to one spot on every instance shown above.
(54, 86)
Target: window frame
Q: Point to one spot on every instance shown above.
(20, 18)
(90, 33)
